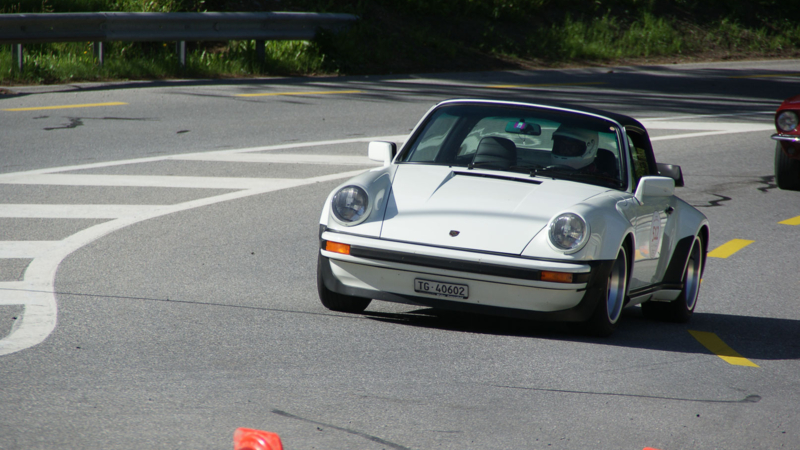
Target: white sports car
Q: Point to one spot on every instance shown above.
(519, 210)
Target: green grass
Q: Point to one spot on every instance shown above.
(397, 36)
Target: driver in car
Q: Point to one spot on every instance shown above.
(577, 149)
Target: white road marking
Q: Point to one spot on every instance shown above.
(152, 181)
(25, 249)
(731, 127)
(706, 116)
(395, 138)
(28, 211)
(37, 292)
(338, 160)
(702, 128)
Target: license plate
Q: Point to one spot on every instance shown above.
(441, 289)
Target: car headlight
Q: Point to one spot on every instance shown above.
(350, 205)
(568, 232)
(787, 121)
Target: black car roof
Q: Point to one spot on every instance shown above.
(625, 121)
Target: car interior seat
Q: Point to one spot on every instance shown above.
(606, 163)
(495, 152)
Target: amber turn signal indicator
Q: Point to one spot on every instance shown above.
(557, 277)
(337, 247)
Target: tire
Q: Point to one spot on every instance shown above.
(606, 315)
(787, 170)
(681, 309)
(336, 301)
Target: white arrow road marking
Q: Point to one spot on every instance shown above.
(36, 293)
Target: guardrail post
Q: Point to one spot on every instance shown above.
(97, 46)
(261, 54)
(180, 48)
(16, 55)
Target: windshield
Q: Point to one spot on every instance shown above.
(536, 141)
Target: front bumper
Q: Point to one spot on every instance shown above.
(790, 143)
(498, 284)
(793, 138)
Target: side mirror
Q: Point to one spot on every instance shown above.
(654, 187)
(382, 151)
(672, 171)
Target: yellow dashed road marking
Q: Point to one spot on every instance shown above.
(713, 343)
(729, 248)
(275, 94)
(792, 221)
(85, 105)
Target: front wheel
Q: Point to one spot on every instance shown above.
(681, 309)
(334, 300)
(787, 170)
(608, 311)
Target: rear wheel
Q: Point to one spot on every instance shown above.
(336, 301)
(787, 170)
(681, 309)
(608, 311)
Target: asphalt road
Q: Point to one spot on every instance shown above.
(157, 276)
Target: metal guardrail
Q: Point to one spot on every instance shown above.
(19, 29)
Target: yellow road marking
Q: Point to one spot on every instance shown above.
(85, 105)
(713, 343)
(273, 94)
(727, 249)
(771, 75)
(512, 86)
(792, 221)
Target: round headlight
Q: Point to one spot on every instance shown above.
(787, 121)
(568, 231)
(350, 205)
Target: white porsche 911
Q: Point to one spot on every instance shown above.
(519, 210)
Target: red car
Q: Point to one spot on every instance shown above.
(787, 151)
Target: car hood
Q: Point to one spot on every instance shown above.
(474, 209)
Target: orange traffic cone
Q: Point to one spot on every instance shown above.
(249, 439)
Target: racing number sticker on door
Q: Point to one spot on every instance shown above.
(655, 235)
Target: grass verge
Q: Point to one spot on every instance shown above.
(404, 36)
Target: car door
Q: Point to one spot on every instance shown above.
(650, 217)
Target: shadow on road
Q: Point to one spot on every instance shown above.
(758, 338)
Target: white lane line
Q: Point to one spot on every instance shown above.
(705, 116)
(339, 160)
(731, 127)
(36, 322)
(30, 211)
(25, 249)
(687, 135)
(37, 292)
(395, 138)
(711, 128)
(151, 181)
